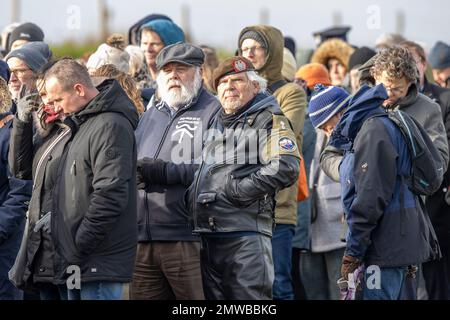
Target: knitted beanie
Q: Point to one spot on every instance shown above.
(251, 34)
(168, 31)
(325, 103)
(34, 54)
(111, 52)
(313, 74)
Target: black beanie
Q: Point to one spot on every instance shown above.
(26, 31)
(251, 34)
(360, 57)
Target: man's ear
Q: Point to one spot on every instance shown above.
(256, 87)
(79, 89)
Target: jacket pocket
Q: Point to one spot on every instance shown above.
(206, 198)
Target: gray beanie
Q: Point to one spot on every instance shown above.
(251, 34)
(34, 54)
(439, 57)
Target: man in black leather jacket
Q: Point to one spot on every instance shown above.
(250, 154)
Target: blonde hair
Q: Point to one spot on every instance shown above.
(125, 81)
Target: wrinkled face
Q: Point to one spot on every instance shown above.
(442, 77)
(253, 51)
(337, 72)
(235, 91)
(178, 83)
(21, 74)
(151, 44)
(396, 88)
(62, 101)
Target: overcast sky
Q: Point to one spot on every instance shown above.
(218, 22)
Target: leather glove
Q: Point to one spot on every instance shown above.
(152, 171)
(26, 103)
(349, 265)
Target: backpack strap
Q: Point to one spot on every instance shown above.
(275, 86)
(5, 120)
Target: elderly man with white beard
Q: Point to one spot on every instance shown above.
(169, 141)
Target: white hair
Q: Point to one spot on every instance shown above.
(253, 76)
(176, 99)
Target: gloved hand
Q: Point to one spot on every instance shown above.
(349, 264)
(44, 223)
(151, 172)
(26, 103)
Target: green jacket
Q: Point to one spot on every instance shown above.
(293, 102)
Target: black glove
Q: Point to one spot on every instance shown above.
(26, 103)
(151, 172)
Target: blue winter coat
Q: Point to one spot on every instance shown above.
(14, 197)
(386, 224)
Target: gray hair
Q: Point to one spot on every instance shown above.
(68, 72)
(253, 76)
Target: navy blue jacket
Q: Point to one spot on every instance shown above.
(386, 224)
(176, 138)
(14, 197)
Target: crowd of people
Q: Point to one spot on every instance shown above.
(156, 171)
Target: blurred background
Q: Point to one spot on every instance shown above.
(75, 26)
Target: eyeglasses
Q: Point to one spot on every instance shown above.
(253, 49)
(20, 72)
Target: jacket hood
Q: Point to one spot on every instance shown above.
(366, 103)
(271, 70)
(333, 49)
(112, 98)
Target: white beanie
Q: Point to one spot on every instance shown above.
(106, 54)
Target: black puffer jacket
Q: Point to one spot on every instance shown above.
(94, 224)
(231, 195)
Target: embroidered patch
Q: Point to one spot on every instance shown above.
(239, 66)
(287, 144)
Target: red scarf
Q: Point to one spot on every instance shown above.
(50, 114)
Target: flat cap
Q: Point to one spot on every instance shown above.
(184, 53)
(232, 65)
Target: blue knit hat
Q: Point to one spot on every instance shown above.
(325, 103)
(439, 57)
(168, 31)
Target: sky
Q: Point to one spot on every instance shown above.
(218, 23)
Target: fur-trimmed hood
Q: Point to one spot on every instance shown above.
(333, 49)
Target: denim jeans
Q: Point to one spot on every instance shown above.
(282, 252)
(98, 290)
(391, 284)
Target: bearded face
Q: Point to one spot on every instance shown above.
(178, 84)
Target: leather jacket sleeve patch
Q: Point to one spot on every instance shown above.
(281, 140)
